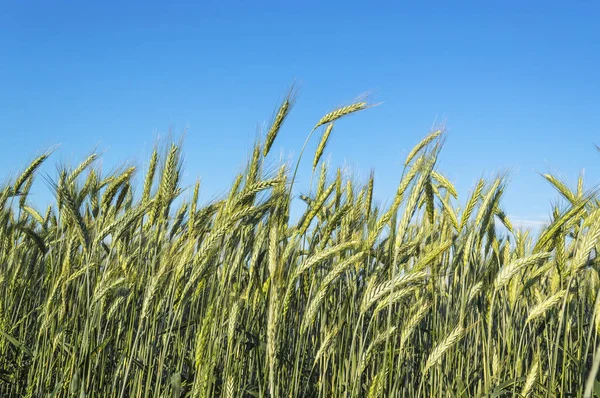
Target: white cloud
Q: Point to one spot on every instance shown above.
(533, 223)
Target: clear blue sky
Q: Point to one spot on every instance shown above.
(517, 83)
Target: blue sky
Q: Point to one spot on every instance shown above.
(516, 83)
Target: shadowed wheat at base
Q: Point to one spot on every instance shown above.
(111, 293)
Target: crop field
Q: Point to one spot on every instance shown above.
(120, 292)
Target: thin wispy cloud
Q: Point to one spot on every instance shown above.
(532, 223)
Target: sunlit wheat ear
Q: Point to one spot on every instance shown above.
(587, 245)
(495, 364)
(409, 327)
(368, 355)
(276, 126)
(444, 183)
(282, 113)
(377, 384)
(443, 346)
(426, 141)
(561, 187)
(531, 379)
(24, 193)
(559, 222)
(202, 335)
(29, 172)
(170, 178)
(254, 166)
(373, 293)
(505, 220)
(475, 290)
(324, 255)
(412, 201)
(394, 298)
(489, 201)
(545, 305)
(447, 209)
(150, 176)
(369, 197)
(120, 225)
(471, 203)
(34, 214)
(72, 214)
(340, 112)
(233, 319)
(407, 179)
(114, 187)
(322, 145)
(4, 195)
(192, 217)
(314, 209)
(326, 344)
(510, 270)
(82, 166)
(315, 303)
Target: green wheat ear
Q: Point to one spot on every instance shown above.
(340, 112)
(280, 116)
(322, 144)
(28, 172)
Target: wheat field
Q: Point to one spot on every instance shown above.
(117, 292)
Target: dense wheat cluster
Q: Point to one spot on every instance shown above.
(111, 293)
